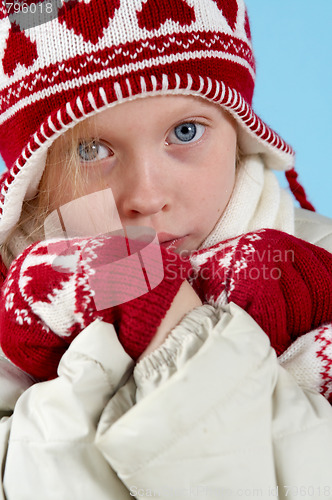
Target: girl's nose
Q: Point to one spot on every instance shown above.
(144, 191)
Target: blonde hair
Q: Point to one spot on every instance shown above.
(61, 169)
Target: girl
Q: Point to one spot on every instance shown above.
(157, 97)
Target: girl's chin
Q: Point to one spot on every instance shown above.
(186, 250)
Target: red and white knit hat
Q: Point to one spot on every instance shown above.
(97, 53)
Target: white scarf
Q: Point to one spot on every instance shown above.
(257, 202)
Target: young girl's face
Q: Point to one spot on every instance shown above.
(170, 162)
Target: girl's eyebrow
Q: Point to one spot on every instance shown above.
(184, 111)
(172, 117)
(195, 110)
(91, 134)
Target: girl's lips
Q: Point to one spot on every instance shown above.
(170, 242)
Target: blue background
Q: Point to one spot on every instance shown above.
(293, 42)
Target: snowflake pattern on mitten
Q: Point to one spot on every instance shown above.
(283, 282)
(49, 297)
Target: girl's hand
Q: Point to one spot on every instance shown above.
(47, 300)
(283, 282)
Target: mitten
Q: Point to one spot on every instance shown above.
(309, 360)
(56, 288)
(283, 282)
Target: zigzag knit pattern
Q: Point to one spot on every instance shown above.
(309, 360)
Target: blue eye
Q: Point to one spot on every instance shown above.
(89, 151)
(186, 133)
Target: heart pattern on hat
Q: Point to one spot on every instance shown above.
(73, 13)
(229, 10)
(24, 49)
(152, 16)
(63, 77)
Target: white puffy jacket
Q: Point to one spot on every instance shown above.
(209, 414)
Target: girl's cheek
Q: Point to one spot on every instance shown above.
(98, 175)
(189, 155)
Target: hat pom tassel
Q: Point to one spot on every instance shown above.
(298, 190)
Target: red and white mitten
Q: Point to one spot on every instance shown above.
(309, 360)
(56, 288)
(283, 282)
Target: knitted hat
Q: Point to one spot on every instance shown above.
(92, 55)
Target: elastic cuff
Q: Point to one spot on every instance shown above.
(181, 344)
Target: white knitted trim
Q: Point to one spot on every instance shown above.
(30, 166)
(115, 72)
(309, 360)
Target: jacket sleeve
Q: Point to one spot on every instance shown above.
(313, 227)
(47, 445)
(226, 423)
(215, 414)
